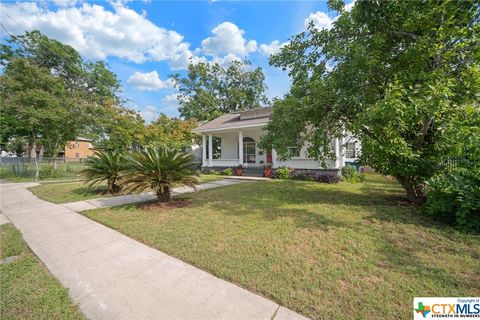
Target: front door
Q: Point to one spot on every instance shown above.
(269, 156)
(249, 150)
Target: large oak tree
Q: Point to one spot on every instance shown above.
(403, 76)
(210, 90)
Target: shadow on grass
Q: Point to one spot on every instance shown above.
(316, 205)
(101, 191)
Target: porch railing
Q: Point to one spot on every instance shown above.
(224, 162)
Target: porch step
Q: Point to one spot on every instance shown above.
(253, 172)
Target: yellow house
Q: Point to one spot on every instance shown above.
(81, 148)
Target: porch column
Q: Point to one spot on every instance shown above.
(204, 150)
(210, 150)
(240, 148)
(274, 158)
(337, 153)
(342, 152)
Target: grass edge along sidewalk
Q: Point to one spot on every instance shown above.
(28, 290)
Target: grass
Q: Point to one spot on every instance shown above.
(67, 192)
(26, 172)
(204, 178)
(77, 191)
(28, 290)
(326, 251)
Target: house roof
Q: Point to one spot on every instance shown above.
(82, 139)
(249, 118)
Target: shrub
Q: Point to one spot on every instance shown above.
(106, 166)
(454, 197)
(159, 169)
(307, 175)
(351, 174)
(227, 172)
(327, 178)
(282, 173)
(302, 175)
(49, 171)
(206, 170)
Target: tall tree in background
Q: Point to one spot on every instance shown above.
(49, 95)
(36, 106)
(403, 76)
(119, 128)
(210, 90)
(171, 132)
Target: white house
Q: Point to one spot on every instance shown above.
(235, 137)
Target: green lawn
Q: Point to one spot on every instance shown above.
(67, 192)
(76, 191)
(204, 178)
(28, 290)
(327, 251)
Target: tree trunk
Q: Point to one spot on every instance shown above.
(31, 146)
(164, 196)
(113, 187)
(414, 190)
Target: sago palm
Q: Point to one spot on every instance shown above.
(159, 169)
(105, 167)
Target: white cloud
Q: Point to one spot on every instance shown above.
(182, 60)
(149, 81)
(226, 60)
(228, 38)
(149, 114)
(98, 33)
(349, 6)
(65, 3)
(272, 48)
(320, 20)
(170, 102)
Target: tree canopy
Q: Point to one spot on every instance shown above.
(402, 76)
(171, 132)
(50, 95)
(210, 90)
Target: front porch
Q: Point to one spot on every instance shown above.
(233, 148)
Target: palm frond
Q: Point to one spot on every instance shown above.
(104, 167)
(159, 169)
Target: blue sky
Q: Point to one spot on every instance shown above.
(145, 41)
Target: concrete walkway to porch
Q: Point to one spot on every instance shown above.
(79, 206)
(111, 276)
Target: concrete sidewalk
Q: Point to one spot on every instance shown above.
(79, 206)
(112, 276)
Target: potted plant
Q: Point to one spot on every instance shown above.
(239, 170)
(267, 171)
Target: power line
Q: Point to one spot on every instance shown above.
(56, 54)
(3, 27)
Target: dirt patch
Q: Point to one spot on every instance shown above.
(165, 205)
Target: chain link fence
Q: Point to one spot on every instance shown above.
(24, 168)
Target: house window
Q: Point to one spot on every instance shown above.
(294, 152)
(77, 155)
(350, 150)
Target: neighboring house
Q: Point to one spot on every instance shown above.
(81, 148)
(232, 139)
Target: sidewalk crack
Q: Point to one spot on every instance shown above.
(275, 313)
